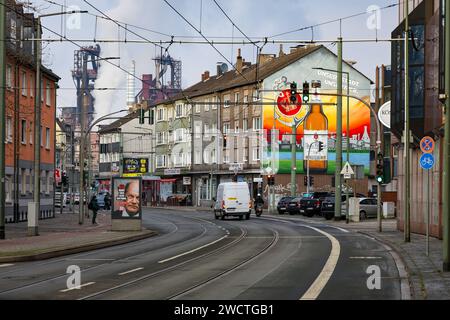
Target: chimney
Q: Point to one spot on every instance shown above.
(281, 53)
(264, 58)
(239, 61)
(205, 76)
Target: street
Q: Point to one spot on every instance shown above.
(196, 257)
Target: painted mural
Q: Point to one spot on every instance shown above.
(315, 123)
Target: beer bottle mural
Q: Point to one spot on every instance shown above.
(315, 131)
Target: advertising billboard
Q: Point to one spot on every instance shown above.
(316, 122)
(135, 167)
(127, 202)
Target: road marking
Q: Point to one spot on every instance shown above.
(77, 288)
(194, 250)
(343, 230)
(325, 275)
(6, 265)
(366, 258)
(130, 271)
(90, 259)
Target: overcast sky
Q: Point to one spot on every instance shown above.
(256, 18)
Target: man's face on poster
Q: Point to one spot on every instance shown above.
(132, 198)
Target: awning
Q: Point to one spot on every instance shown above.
(168, 180)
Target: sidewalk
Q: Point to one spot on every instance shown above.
(426, 279)
(62, 236)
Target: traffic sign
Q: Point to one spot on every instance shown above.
(427, 161)
(347, 170)
(427, 145)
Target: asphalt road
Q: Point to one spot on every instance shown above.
(196, 257)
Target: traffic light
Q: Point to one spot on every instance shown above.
(225, 138)
(311, 180)
(293, 92)
(305, 181)
(141, 116)
(380, 174)
(64, 179)
(306, 92)
(321, 146)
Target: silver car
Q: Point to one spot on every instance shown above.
(367, 208)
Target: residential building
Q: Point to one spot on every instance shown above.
(426, 71)
(19, 119)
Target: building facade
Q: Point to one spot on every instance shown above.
(20, 131)
(426, 56)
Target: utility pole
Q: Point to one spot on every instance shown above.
(293, 160)
(407, 135)
(338, 193)
(84, 106)
(2, 117)
(347, 200)
(35, 206)
(446, 180)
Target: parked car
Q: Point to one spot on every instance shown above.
(311, 205)
(76, 198)
(367, 208)
(233, 199)
(293, 206)
(283, 204)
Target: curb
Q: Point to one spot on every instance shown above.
(73, 250)
(405, 284)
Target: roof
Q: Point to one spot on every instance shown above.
(232, 79)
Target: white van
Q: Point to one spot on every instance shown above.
(233, 199)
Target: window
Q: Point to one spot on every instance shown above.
(226, 101)
(9, 76)
(161, 138)
(245, 124)
(197, 108)
(226, 156)
(246, 99)
(49, 94)
(207, 105)
(24, 83)
(214, 103)
(160, 115)
(47, 138)
(179, 110)
(256, 154)
(236, 97)
(42, 137)
(42, 90)
(180, 135)
(9, 129)
(31, 132)
(198, 157)
(8, 195)
(213, 156)
(32, 86)
(246, 155)
(23, 132)
(257, 123)
(226, 127)
(161, 161)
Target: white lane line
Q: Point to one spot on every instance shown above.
(366, 258)
(325, 275)
(6, 265)
(130, 271)
(343, 230)
(77, 288)
(194, 250)
(90, 259)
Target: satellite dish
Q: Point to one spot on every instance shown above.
(224, 68)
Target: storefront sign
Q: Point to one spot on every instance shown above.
(187, 181)
(133, 167)
(172, 172)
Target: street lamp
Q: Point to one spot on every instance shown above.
(348, 130)
(34, 207)
(83, 137)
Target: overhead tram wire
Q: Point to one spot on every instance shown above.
(71, 41)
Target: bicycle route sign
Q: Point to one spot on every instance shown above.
(427, 161)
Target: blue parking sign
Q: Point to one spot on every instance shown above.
(427, 161)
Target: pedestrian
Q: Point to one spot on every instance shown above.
(107, 201)
(93, 205)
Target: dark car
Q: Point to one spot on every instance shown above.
(283, 204)
(293, 206)
(327, 210)
(309, 206)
